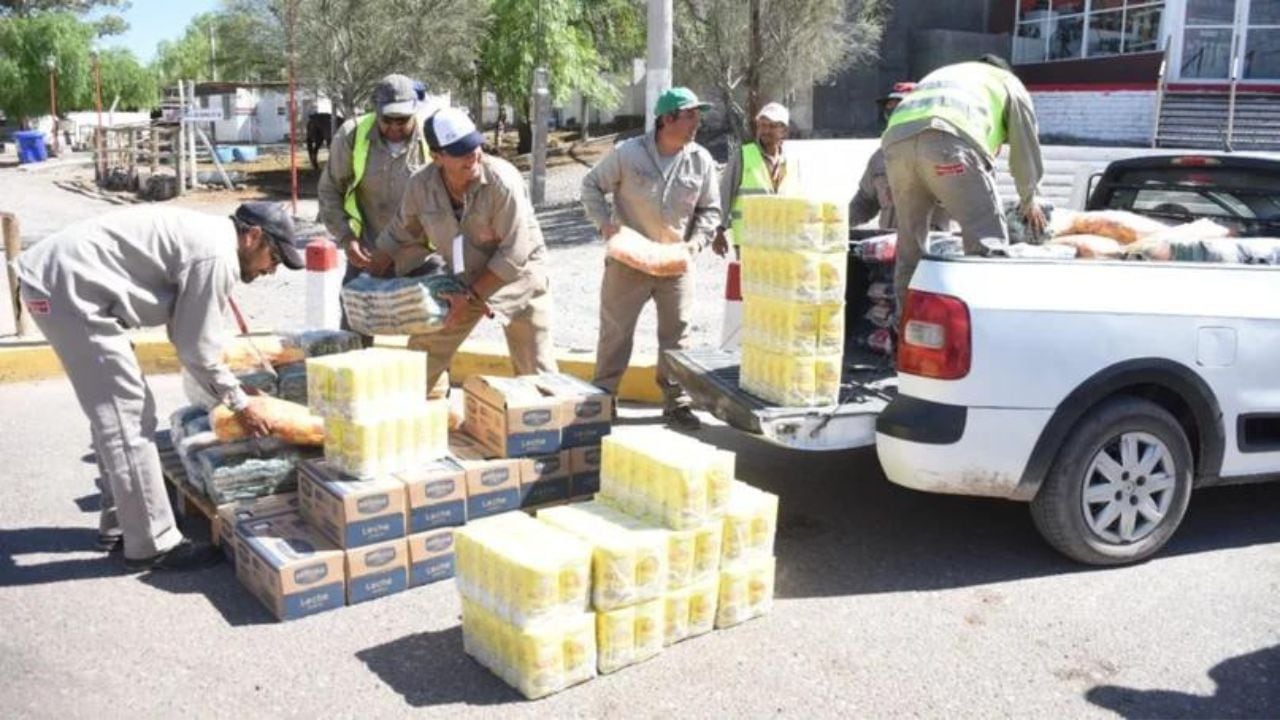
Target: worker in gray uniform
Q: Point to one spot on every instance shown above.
(370, 162)
(873, 198)
(940, 147)
(88, 284)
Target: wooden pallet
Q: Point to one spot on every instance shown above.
(189, 502)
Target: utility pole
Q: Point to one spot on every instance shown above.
(99, 132)
(213, 55)
(658, 62)
(541, 106)
(290, 21)
(51, 62)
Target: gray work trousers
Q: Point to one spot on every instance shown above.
(623, 295)
(99, 360)
(528, 335)
(931, 168)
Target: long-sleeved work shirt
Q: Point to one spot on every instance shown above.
(386, 174)
(145, 267)
(497, 227)
(1021, 134)
(680, 205)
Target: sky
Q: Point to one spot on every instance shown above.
(151, 21)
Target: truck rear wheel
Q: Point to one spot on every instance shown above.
(1119, 487)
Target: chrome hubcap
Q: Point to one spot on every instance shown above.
(1128, 488)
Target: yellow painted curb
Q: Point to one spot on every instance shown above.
(27, 362)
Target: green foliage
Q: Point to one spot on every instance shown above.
(242, 41)
(125, 78)
(25, 8)
(802, 42)
(573, 39)
(25, 44)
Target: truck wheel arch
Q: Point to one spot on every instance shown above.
(1170, 384)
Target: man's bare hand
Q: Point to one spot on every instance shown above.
(357, 255)
(253, 420)
(459, 306)
(720, 244)
(381, 264)
(1036, 221)
(608, 230)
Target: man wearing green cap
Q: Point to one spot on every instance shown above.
(664, 187)
(370, 161)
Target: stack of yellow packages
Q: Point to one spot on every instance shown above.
(747, 562)
(525, 597)
(794, 260)
(377, 418)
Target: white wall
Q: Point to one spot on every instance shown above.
(1120, 116)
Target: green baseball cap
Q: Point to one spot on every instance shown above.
(678, 98)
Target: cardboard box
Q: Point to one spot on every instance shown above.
(431, 557)
(377, 570)
(232, 514)
(289, 566)
(584, 470)
(351, 513)
(544, 479)
(435, 495)
(588, 410)
(511, 417)
(493, 484)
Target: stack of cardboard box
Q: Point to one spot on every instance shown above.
(531, 441)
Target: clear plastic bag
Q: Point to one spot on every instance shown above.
(399, 306)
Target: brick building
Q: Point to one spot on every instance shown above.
(1094, 67)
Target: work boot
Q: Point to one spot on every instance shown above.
(681, 418)
(186, 555)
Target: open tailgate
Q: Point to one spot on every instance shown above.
(711, 379)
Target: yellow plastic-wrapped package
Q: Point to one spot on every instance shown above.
(746, 591)
(615, 639)
(536, 661)
(629, 557)
(704, 598)
(675, 616)
(750, 525)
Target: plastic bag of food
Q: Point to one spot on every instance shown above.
(1090, 246)
(399, 306)
(290, 422)
(1120, 225)
(1019, 231)
(652, 258)
(1260, 251)
(246, 469)
(878, 249)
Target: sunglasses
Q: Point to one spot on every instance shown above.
(397, 121)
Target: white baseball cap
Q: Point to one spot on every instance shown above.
(776, 112)
(451, 132)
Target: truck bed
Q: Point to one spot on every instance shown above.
(868, 383)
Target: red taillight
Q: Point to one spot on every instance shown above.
(934, 340)
(1195, 161)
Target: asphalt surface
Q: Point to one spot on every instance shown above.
(889, 603)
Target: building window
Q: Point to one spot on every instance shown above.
(1048, 30)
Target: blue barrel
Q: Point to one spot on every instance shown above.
(246, 153)
(30, 146)
(225, 154)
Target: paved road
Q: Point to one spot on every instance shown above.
(889, 603)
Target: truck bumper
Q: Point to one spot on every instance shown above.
(956, 450)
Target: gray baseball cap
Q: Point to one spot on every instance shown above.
(395, 96)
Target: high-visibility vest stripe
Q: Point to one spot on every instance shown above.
(970, 96)
(359, 159)
(755, 181)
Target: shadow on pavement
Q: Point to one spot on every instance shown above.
(846, 530)
(430, 669)
(220, 587)
(15, 542)
(566, 225)
(1247, 688)
(89, 503)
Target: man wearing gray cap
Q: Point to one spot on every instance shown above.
(89, 283)
(473, 209)
(370, 161)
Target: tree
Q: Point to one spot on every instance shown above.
(791, 44)
(26, 8)
(126, 79)
(560, 35)
(242, 41)
(346, 46)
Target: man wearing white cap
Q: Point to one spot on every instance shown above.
(473, 209)
(370, 161)
(760, 168)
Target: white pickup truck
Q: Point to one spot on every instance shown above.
(1102, 392)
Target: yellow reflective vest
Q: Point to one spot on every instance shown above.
(756, 181)
(971, 96)
(360, 158)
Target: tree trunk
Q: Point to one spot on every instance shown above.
(525, 130)
(586, 119)
(756, 49)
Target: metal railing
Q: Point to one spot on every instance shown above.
(1160, 90)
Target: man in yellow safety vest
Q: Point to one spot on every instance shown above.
(760, 168)
(940, 148)
(370, 161)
